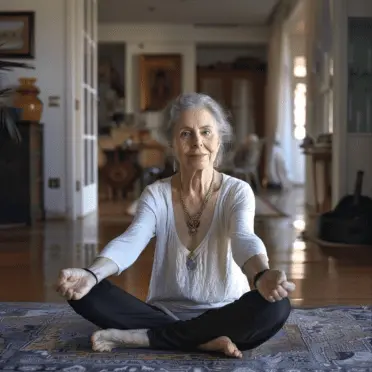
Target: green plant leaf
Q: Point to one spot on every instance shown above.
(8, 121)
(5, 92)
(9, 65)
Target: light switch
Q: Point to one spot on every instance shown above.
(54, 101)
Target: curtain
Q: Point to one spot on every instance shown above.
(273, 90)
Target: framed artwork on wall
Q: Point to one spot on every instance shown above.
(17, 35)
(160, 80)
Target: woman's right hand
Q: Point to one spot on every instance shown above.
(74, 284)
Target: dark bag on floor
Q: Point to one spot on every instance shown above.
(351, 221)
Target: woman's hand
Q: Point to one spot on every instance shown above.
(273, 285)
(74, 284)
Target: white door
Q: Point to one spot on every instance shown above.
(82, 170)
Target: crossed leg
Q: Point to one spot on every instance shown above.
(127, 321)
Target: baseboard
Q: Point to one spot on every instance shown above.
(55, 216)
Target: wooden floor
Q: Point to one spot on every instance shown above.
(30, 259)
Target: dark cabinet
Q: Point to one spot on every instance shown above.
(21, 176)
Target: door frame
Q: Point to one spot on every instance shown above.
(74, 129)
(72, 196)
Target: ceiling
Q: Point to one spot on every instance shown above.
(206, 12)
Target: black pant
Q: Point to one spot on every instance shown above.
(248, 322)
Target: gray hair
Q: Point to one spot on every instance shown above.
(189, 101)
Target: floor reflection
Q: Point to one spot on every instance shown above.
(68, 245)
(30, 259)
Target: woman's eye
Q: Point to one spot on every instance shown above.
(207, 132)
(185, 134)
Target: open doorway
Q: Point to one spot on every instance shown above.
(111, 110)
(296, 97)
(129, 154)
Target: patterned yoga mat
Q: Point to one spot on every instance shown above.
(50, 337)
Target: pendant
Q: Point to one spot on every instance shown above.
(193, 226)
(190, 264)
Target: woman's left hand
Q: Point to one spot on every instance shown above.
(273, 285)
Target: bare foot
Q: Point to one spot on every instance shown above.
(224, 345)
(109, 339)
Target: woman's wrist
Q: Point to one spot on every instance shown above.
(102, 268)
(92, 273)
(254, 266)
(258, 276)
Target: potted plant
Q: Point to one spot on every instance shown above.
(8, 115)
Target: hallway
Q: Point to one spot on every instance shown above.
(30, 259)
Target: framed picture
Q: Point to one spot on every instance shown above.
(17, 35)
(160, 80)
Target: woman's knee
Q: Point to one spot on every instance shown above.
(268, 319)
(91, 300)
(278, 311)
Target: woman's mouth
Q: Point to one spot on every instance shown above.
(197, 155)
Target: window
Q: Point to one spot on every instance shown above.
(299, 97)
(299, 111)
(299, 67)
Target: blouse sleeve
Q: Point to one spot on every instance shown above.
(244, 242)
(126, 248)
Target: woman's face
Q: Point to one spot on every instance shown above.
(196, 140)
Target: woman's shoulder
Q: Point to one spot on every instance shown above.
(236, 190)
(159, 186)
(236, 185)
(156, 191)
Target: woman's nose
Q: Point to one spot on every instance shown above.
(197, 140)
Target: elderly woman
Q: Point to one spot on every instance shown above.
(206, 254)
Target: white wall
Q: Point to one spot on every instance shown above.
(147, 33)
(50, 73)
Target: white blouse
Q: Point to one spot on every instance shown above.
(217, 279)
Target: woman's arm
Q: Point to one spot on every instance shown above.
(254, 265)
(248, 249)
(123, 251)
